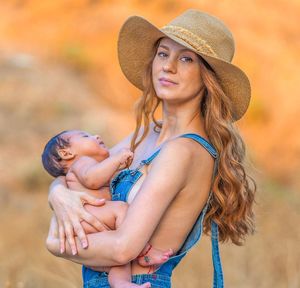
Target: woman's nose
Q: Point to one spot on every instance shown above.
(170, 66)
(97, 137)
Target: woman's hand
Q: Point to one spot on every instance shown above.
(69, 211)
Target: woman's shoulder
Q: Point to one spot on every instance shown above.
(181, 161)
(179, 145)
(178, 149)
(188, 152)
(189, 143)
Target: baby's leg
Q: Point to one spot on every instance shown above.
(108, 214)
(120, 277)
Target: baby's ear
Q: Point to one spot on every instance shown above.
(65, 154)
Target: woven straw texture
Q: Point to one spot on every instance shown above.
(200, 32)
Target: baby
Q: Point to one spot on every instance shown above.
(85, 162)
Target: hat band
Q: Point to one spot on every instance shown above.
(190, 38)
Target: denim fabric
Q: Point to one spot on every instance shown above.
(100, 279)
(120, 187)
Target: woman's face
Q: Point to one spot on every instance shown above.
(176, 72)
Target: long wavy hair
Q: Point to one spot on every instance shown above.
(231, 204)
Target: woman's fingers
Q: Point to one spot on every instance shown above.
(79, 231)
(88, 199)
(93, 220)
(69, 209)
(62, 238)
(70, 237)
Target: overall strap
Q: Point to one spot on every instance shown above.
(211, 150)
(149, 160)
(218, 281)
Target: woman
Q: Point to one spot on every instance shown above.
(192, 176)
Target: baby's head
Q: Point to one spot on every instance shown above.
(66, 147)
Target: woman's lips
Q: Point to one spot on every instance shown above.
(166, 82)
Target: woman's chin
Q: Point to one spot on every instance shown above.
(166, 95)
(170, 99)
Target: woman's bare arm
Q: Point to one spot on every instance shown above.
(165, 179)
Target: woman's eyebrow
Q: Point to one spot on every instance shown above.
(180, 50)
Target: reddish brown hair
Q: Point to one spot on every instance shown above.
(231, 205)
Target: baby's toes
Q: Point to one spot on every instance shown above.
(168, 253)
(146, 285)
(164, 259)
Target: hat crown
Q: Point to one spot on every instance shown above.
(205, 33)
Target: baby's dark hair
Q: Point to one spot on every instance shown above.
(52, 162)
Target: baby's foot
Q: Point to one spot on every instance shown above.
(145, 285)
(151, 256)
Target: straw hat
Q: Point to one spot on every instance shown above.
(200, 32)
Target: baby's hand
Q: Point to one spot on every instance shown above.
(125, 155)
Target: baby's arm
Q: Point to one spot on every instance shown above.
(93, 174)
(74, 184)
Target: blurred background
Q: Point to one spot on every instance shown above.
(59, 70)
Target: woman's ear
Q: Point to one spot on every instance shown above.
(65, 153)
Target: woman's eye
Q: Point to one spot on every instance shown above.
(162, 54)
(85, 136)
(187, 59)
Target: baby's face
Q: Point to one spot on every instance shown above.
(85, 144)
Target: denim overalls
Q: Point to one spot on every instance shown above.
(161, 278)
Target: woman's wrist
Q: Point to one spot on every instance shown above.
(58, 184)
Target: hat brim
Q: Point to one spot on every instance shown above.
(135, 47)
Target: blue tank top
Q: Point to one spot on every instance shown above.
(120, 187)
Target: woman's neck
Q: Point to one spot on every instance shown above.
(180, 122)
